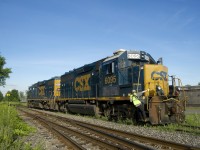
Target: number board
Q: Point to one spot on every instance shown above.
(110, 79)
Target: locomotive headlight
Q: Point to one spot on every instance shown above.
(178, 88)
(159, 91)
(159, 88)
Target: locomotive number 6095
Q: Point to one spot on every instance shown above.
(110, 79)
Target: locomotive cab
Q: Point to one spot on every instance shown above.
(123, 72)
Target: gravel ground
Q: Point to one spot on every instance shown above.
(184, 138)
(41, 138)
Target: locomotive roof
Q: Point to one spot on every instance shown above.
(116, 55)
(119, 52)
(84, 68)
(54, 78)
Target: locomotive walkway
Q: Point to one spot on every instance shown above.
(82, 135)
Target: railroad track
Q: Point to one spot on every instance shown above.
(153, 142)
(105, 137)
(79, 138)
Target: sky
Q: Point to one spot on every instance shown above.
(41, 39)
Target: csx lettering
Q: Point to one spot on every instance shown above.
(41, 90)
(110, 80)
(162, 75)
(82, 83)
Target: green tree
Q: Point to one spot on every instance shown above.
(4, 72)
(12, 96)
(1, 96)
(15, 95)
(7, 96)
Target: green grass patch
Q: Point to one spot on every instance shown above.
(12, 128)
(193, 119)
(17, 103)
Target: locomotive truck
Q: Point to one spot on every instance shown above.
(103, 88)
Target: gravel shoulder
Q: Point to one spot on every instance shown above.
(50, 142)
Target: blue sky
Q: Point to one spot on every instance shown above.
(41, 39)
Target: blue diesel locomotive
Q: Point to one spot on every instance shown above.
(104, 87)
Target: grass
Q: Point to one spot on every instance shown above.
(12, 128)
(191, 120)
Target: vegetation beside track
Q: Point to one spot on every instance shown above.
(12, 129)
(191, 119)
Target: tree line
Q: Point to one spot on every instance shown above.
(13, 96)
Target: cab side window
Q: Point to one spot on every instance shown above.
(110, 68)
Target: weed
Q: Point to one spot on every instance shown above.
(12, 128)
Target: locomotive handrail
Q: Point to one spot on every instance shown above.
(184, 96)
(169, 99)
(180, 85)
(138, 77)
